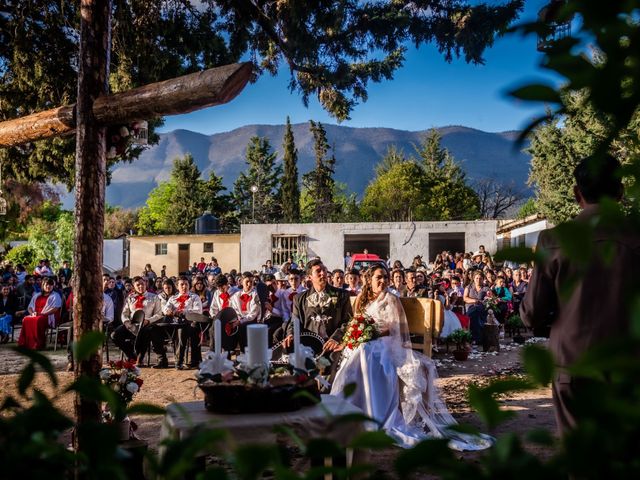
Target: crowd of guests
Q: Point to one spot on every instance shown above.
(142, 313)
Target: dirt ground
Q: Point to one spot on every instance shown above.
(533, 409)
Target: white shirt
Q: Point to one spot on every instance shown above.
(183, 303)
(252, 308)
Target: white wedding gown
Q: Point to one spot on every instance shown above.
(395, 385)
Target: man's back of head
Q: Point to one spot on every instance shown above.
(597, 178)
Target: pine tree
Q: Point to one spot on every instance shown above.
(290, 188)
(263, 175)
(449, 197)
(319, 182)
(187, 204)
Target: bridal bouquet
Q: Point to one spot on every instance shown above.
(360, 329)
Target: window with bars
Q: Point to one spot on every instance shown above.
(161, 248)
(285, 246)
(207, 247)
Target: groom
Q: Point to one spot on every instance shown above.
(323, 309)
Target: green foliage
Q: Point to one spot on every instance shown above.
(41, 241)
(432, 187)
(186, 204)
(65, 236)
(396, 195)
(173, 206)
(450, 198)
(319, 182)
(460, 338)
(153, 217)
(528, 208)
(290, 188)
(23, 254)
(263, 175)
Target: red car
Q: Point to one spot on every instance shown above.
(361, 261)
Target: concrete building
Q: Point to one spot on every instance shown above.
(178, 252)
(329, 241)
(523, 232)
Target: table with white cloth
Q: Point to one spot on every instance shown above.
(308, 422)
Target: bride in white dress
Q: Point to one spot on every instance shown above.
(394, 384)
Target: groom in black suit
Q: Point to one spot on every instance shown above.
(323, 309)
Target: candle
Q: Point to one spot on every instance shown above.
(258, 344)
(217, 336)
(296, 343)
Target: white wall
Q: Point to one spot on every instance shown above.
(326, 240)
(531, 233)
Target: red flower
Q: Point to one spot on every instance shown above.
(302, 377)
(119, 364)
(139, 381)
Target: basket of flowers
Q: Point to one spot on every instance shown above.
(123, 379)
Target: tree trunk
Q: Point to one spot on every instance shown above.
(95, 42)
(178, 95)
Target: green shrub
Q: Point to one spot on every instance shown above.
(23, 254)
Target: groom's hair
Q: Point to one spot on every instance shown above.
(313, 263)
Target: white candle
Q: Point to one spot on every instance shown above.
(217, 336)
(296, 343)
(257, 344)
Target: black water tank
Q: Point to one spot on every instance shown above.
(207, 223)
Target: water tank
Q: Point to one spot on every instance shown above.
(207, 223)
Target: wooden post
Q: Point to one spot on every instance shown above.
(91, 167)
(214, 86)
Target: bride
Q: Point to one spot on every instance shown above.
(395, 385)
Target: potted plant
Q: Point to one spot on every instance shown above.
(514, 326)
(462, 340)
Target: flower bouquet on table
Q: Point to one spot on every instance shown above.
(491, 302)
(360, 329)
(123, 378)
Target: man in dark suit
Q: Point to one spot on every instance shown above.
(323, 309)
(586, 316)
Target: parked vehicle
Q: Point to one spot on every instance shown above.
(361, 261)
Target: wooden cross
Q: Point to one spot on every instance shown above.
(93, 111)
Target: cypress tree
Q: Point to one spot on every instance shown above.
(290, 189)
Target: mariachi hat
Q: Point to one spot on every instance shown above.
(226, 316)
(477, 254)
(137, 317)
(308, 339)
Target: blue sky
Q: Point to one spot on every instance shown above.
(427, 92)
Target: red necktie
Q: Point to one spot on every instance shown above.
(224, 296)
(245, 298)
(182, 299)
(139, 302)
(291, 295)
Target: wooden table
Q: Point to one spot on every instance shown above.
(308, 422)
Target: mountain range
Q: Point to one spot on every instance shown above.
(357, 151)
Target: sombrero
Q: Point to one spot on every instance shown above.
(227, 315)
(308, 339)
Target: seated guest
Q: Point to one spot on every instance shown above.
(413, 289)
(8, 307)
(200, 289)
(518, 289)
(473, 297)
(503, 294)
(337, 278)
(178, 305)
(353, 282)
(397, 286)
(221, 296)
(44, 312)
(168, 290)
(134, 339)
(246, 305)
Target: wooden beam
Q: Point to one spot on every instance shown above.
(170, 97)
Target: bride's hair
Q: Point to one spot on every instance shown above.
(366, 294)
